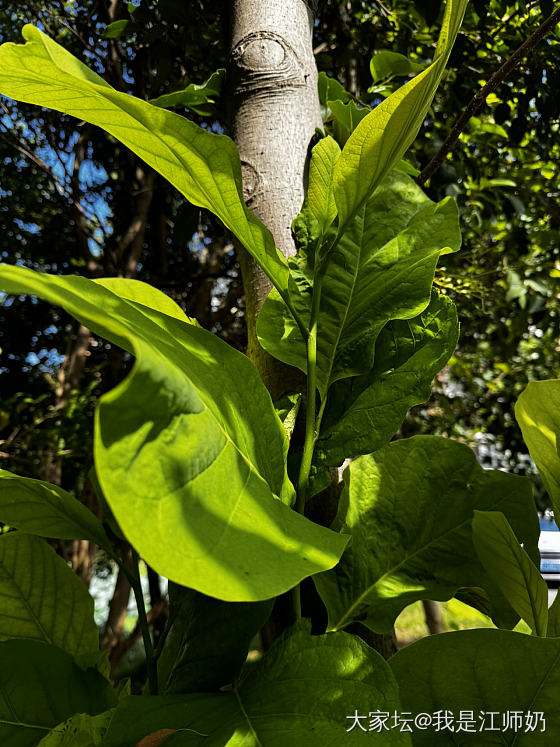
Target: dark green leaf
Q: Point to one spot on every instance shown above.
(116, 29)
(195, 96)
(363, 413)
(40, 687)
(409, 509)
(485, 671)
(208, 642)
(79, 731)
(387, 63)
(304, 686)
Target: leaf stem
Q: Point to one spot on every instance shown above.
(310, 421)
(151, 663)
(311, 391)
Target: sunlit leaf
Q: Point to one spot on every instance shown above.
(189, 451)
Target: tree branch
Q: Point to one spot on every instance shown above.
(478, 99)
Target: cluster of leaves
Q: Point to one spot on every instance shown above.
(503, 173)
(191, 462)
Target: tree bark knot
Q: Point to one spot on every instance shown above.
(264, 62)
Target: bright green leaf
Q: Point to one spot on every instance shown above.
(364, 413)
(42, 599)
(383, 137)
(208, 641)
(40, 508)
(203, 166)
(304, 685)
(490, 671)
(153, 299)
(190, 453)
(538, 413)
(40, 687)
(409, 508)
(511, 569)
(320, 197)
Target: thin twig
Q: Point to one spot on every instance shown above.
(478, 99)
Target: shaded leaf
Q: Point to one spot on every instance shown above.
(116, 29)
(40, 687)
(409, 508)
(40, 508)
(42, 599)
(195, 96)
(364, 413)
(511, 569)
(189, 451)
(208, 641)
(486, 671)
(346, 117)
(80, 730)
(386, 63)
(303, 686)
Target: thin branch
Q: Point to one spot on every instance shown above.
(478, 99)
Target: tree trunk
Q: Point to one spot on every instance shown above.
(274, 112)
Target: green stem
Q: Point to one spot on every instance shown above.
(310, 423)
(311, 399)
(151, 663)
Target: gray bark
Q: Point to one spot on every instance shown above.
(274, 113)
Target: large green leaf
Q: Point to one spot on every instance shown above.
(409, 509)
(42, 599)
(491, 673)
(511, 569)
(208, 641)
(382, 138)
(40, 687)
(190, 453)
(382, 269)
(306, 688)
(538, 413)
(40, 508)
(363, 413)
(203, 166)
